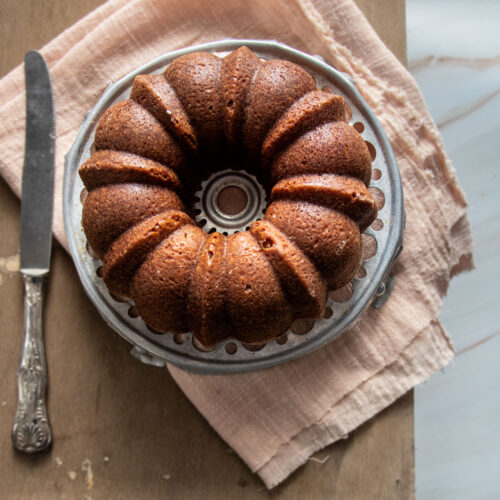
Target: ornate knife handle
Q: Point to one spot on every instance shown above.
(31, 431)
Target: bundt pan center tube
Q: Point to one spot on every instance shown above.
(232, 206)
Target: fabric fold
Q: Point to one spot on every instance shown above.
(275, 419)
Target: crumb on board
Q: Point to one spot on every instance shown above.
(319, 460)
(166, 476)
(58, 462)
(9, 264)
(106, 459)
(72, 475)
(89, 475)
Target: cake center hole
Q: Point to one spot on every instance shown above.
(232, 200)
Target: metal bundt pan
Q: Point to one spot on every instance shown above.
(231, 356)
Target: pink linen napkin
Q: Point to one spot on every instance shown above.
(275, 419)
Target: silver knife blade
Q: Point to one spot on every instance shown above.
(37, 196)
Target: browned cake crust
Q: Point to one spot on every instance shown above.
(152, 149)
(238, 69)
(127, 126)
(155, 94)
(128, 252)
(303, 284)
(344, 194)
(256, 304)
(206, 303)
(311, 110)
(196, 79)
(109, 211)
(275, 87)
(333, 148)
(330, 239)
(159, 288)
(115, 167)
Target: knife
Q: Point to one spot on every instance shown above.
(31, 431)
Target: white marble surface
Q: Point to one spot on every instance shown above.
(454, 54)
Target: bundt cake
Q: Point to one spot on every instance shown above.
(153, 150)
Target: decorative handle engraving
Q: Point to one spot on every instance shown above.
(31, 431)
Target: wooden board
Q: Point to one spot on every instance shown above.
(142, 437)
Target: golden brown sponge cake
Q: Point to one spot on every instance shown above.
(332, 148)
(301, 281)
(110, 210)
(152, 148)
(305, 114)
(347, 195)
(155, 94)
(196, 80)
(115, 167)
(237, 73)
(329, 238)
(127, 126)
(256, 304)
(206, 302)
(160, 286)
(275, 86)
(130, 250)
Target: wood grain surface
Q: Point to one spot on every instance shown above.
(127, 423)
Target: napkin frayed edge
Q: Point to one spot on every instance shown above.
(374, 391)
